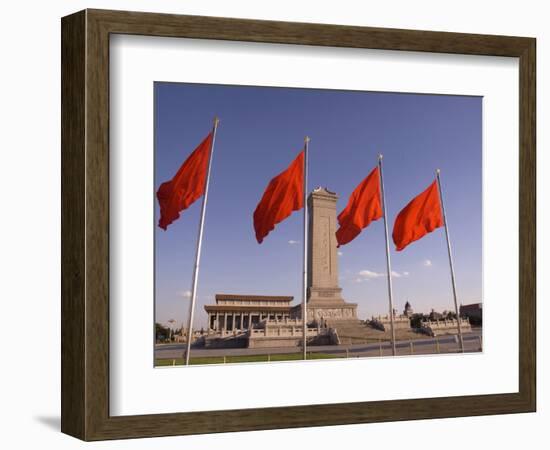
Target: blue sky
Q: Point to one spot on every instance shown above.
(261, 130)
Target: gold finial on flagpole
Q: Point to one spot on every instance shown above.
(307, 139)
(216, 121)
(380, 156)
(438, 171)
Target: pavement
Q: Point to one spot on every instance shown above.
(429, 345)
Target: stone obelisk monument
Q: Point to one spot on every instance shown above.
(324, 297)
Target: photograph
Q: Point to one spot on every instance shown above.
(275, 225)
(305, 224)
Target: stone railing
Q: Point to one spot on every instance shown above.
(289, 336)
(277, 322)
(433, 327)
(387, 318)
(283, 331)
(197, 334)
(445, 323)
(226, 333)
(384, 322)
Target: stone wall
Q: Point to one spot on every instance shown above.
(289, 336)
(231, 341)
(446, 326)
(383, 323)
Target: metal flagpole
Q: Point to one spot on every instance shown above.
(199, 245)
(304, 281)
(388, 261)
(450, 262)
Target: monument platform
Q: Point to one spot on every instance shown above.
(324, 296)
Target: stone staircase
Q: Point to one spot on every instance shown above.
(228, 340)
(357, 332)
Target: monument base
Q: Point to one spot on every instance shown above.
(327, 304)
(340, 311)
(327, 311)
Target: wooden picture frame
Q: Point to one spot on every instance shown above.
(85, 224)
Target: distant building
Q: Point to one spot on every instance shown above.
(400, 321)
(473, 311)
(408, 311)
(258, 321)
(234, 312)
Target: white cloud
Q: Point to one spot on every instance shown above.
(427, 263)
(292, 242)
(369, 274)
(340, 253)
(396, 274)
(185, 294)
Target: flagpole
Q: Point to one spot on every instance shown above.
(388, 260)
(199, 246)
(450, 261)
(304, 280)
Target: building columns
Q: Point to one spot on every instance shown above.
(244, 319)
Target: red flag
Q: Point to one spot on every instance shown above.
(187, 185)
(283, 194)
(420, 217)
(363, 207)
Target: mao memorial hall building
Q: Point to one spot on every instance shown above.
(241, 312)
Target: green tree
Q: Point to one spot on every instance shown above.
(162, 333)
(416, 320)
